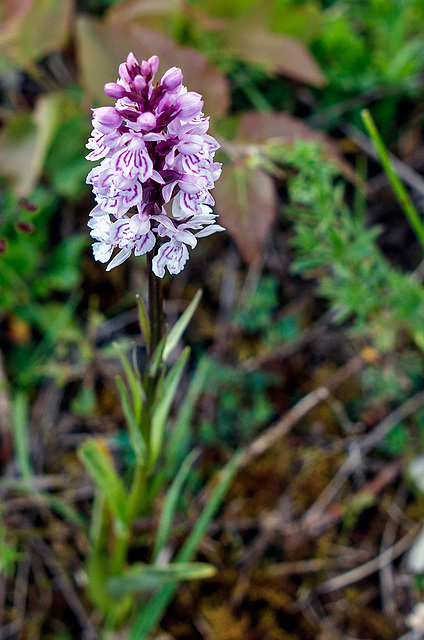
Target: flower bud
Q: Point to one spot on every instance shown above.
(147, 121)
(124, 72)
(107, 116)
(145, 68)
(189, 104)
(172, 79)
(139, 83)
(114, 90)
(106, 119)
(153, 61)
(132, 63)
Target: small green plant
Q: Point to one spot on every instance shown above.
(158, 456)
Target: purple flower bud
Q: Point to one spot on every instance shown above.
(132, 63)
(145, 68)
(3, 245)
(190, 104)
(106, 119)
(147, 121)
(153, 61)
(172, 79)
(139, 83)
(124, 72)
(114, 90)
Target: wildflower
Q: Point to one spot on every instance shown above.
(154, 150)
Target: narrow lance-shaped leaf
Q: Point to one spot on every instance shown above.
(143, 319)
(170, 503)
(137, 391)
(180, 436)
(96, 459)
(144, 577)
(180, 326)
(136, 439)
(161, 411)
(157, 358)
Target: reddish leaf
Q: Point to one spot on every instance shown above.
(25, 140)
(136, 9)
(247, 204)
(103, 45)
(33, 28)
(259, 127)
(276, 53)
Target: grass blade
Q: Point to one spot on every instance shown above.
(143, 577)
(397, 185)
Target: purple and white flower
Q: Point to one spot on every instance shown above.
(154, 150)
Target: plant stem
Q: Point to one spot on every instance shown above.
(155, 304)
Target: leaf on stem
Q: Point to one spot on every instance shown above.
(180, 326)
(170, 503)
(161, 410)
(136, 439)
(157, 358)
(133, 377)
(180, 436)
(96, 458)
(143, 319)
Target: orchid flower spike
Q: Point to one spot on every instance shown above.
(156, 171)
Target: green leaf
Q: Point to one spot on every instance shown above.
(20, 436)
(150, 616)
(170, 503)
(142, 577)
(133, 377)
(96, 459)
(161, 410)
(157, 357)
(180, 434)
(143, 319)
(136, 439)
(180, 326)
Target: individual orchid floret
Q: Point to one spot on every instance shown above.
(153, 149)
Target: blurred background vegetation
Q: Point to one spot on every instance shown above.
(309, 338)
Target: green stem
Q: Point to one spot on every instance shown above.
(155, 304)
(397, 185)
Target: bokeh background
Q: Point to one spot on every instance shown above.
(307, 347)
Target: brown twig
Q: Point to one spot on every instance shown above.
(277, 431)
(364, 570)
